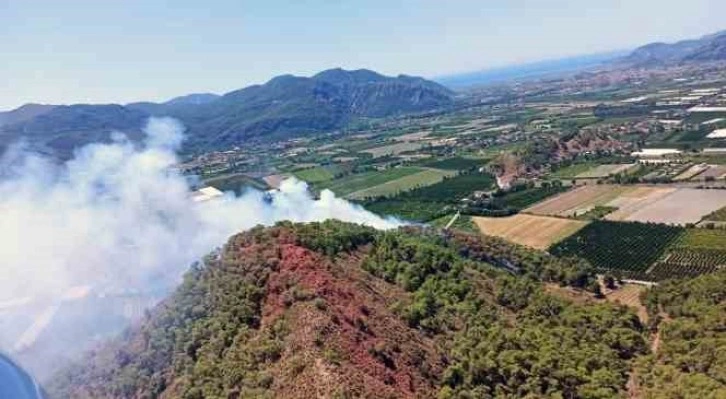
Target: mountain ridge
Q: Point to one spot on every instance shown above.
(285, 106)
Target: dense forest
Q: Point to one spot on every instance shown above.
(339, 310)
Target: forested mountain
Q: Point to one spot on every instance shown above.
(707, 48)
(339, 310)
(285, 106)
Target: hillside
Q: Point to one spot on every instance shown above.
(62, 129)
(338, 310)
(286, 106)
(291, 105)
(690, 358)
(707, 48)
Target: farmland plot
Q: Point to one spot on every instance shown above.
(424, 178)
(393, 149)
(534, 231)
(604, 171)
(685, 205)
(637, 198)
(577, 201)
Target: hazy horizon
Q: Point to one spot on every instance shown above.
(87, 52)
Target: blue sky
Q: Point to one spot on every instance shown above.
(119, 51)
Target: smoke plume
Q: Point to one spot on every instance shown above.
(119, 218)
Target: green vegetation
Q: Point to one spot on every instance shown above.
(597, 212)
(690, 361)
(361, 181)
(522, 198)
(455, 163)
(237, 183)
(626, 247)
(421, 179)
(716, 216)
(428, 203)
(277, 304)
(315, 175)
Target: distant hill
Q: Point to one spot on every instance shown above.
(285, 106)
(63, 128)
(334, 310)
(707, 48)
(24, 113)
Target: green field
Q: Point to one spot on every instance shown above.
(455, 163)
(520, 199)
(409, 209)
(702, 239)
(361, 181)
(423, 178)
(236, 183)
(317, 174)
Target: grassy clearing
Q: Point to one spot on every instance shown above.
(362, 181)
(421, 179)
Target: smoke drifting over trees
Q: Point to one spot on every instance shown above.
(118, 218)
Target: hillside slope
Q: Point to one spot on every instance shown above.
(338, 310)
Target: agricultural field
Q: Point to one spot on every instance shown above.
(691, 172)
(683, 206)
(427, 203)
(577, 201)
(423, 178)
(602, 171)
(538, 232)
(572, 171)
(636, 198)
(393, 149)
(652, 204)
(361, 181)
(520, 199)
(626, 248)
(316, 174)
(409, 209)
(455, 163)
(236, 183)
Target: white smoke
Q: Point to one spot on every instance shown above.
(121, 216)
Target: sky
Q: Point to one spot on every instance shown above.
(103, 51)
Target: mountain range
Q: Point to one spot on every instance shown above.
(283, 107)
(706, 48)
